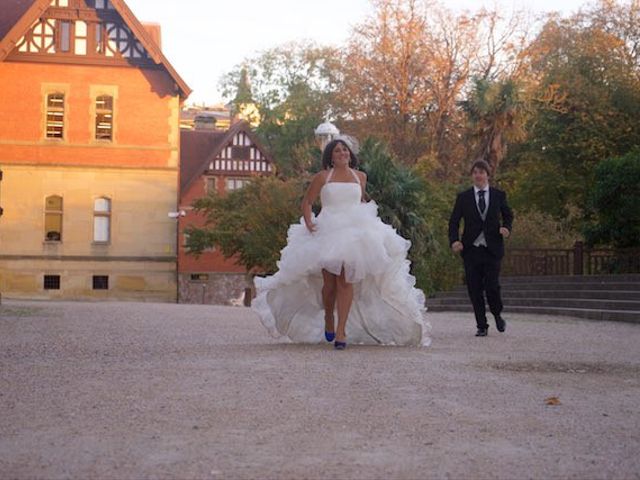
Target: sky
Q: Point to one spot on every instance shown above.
(204, 39)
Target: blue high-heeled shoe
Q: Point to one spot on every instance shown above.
(340, 345)
(329, 336)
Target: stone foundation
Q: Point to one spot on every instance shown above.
(127, 281)
(213, 288)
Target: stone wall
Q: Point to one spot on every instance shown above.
(23, 278)
(213, 288)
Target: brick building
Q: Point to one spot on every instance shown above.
(220, 161)
(89, 149)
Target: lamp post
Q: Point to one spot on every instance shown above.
(177, 215)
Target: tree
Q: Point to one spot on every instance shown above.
(398, 191)
(249, 224)
(243, 93)
(402, 72)
(291, 85)
(243, 105)
(416, 210)
(497, 114)
(406, 68)
(587, 95)
(614, 199)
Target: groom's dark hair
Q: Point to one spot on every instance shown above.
(328, 152)
(482, 165)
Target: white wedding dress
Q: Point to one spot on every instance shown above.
(387, 308)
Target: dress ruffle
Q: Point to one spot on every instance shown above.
(387, 308)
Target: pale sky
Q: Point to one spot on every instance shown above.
(204, 39)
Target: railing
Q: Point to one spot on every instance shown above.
(579, 260)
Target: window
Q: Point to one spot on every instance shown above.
(99, 29)
(101, 220)
(55, 115)
(53, 219)
(41, 38)
(119, 41)
(199, 277)
(102, 4)
(241, 153)
(59, 3)
(104, 117)
(211, 184)
(65, 36)
(80, 42)
(52, 282)
(236, 183)
(101, 282)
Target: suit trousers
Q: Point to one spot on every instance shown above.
(482, 271)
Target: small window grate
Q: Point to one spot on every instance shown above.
(101, 282)
(52, 282)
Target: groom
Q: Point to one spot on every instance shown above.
(482, 245)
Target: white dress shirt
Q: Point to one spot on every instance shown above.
(481, 241)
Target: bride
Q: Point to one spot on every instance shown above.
(344, 261)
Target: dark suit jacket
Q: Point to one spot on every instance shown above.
(466, 208)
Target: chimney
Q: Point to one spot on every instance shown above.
(204, 121)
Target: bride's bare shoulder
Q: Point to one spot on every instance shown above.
(321, 176)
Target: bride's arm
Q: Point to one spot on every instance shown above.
(363, 184)
(310, 197)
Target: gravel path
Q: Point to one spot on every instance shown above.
(133, 390)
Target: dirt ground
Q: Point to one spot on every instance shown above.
(134, 390)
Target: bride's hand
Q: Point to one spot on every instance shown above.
(311, 226)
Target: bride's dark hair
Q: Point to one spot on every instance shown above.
(328, 152)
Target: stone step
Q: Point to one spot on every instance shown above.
(554, 293)
(597, 304)
(592, 314)
(626, 277)
(628, 286)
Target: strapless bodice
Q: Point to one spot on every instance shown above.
(340, 194)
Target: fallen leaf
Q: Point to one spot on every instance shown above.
(552, 401)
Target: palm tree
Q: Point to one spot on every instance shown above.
(497, 112)
(408, 203)
(397, 190)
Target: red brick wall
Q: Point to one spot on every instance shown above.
(142, 110)
(208, 261)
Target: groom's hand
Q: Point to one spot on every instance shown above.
(505, 232)
(457, 246)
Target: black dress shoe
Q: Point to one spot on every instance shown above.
(482, 332)
(501, 325)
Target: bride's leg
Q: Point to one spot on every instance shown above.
(344, 296)
(328, 299)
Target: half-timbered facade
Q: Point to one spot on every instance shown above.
(89, 148)
(220, 162)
